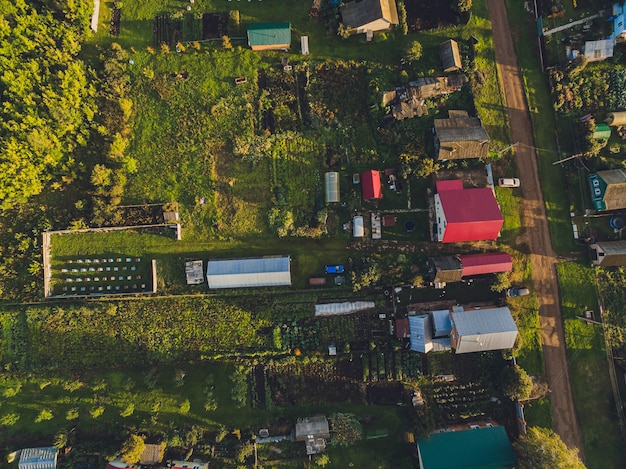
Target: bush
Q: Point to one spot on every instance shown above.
(44, 415)
(72, 414)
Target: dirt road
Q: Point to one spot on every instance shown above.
(537, 233)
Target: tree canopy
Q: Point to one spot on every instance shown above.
(516, 383)
(48, 98)
(541, 448)
(132, 449)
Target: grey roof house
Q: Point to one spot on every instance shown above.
(369, 16)
(480, 330)
(251, 272)
(608, 189)
(608, 253)
(460, 137)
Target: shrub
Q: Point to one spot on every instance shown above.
(44, 415)
(72, 414)
(96, 411)
(128, 411)
(184, 407)
(9, 419)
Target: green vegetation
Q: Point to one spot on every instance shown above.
(542, 448)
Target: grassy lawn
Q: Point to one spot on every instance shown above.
(589, 376)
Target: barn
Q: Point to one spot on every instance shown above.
(465, 214)
(370, 185)
(271, 271)
(269, 36)
(480, 330)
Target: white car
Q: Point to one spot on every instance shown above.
(508, 182)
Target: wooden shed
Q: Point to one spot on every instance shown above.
(460, 137)
(450, 56)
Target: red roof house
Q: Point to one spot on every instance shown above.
(370, 184)
(466, 214)
(487, 263)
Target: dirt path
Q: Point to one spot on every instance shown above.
(537, 234)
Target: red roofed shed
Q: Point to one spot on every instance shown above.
(487, 263)
(370, 183)
(466, 214)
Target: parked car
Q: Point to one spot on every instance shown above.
(334, 269)
(508, 182)
(514, 292)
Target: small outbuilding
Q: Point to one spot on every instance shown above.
(602, 132)
(422, 337)
(332, 187)
(608, 253)
(304, 45)
(450, 56)
(269, 36)
(595, 51)
(371, 186)
(460, 137)
(38, 458)
(369, 16)
(486, 263)
(615, 119)
(194, 272)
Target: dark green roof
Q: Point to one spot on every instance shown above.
(268, 34)
(602, 132)
(482, 448)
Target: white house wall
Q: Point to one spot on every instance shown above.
(440, 218)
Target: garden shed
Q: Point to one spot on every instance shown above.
(268, 271)
(194, 272)
(608, 189)
(332, 187)
(370, 185)
(269, 36)
(465, 214)
(478, 448)
(602, 132)
(616, 119)
(370, 15)
(480, 330)
(38, 458)
(445, 269)
(358, 230)
(450, 56)
(460, 137)
(608, 253)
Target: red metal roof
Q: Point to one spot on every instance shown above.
(488, 263)
(471, 215)
(370, 183)
(449, 185)
(401, 328)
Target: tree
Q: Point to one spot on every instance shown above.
(322, 460)
(413, 51)
(366, 272)
(343, 31)
(541, 448)
(226, 44)
(503, 281)
(345, 429)
(462, 5)
(132, 449)
(515, 383)
(60, 439)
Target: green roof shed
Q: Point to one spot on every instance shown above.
(602, 132)
(268, 36)
(480, 448)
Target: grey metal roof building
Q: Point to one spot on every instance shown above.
(38, 458)
(608, 253)
(332, 186)
(442, 325)
(250, 272)
(480, 330)
(450, 56)
(421, 335)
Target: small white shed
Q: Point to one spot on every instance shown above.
(358, 231)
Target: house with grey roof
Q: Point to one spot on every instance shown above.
(460, 137)
(313, 431)
(608, 253)
(369, 16)
(608, 189)
(480, 330)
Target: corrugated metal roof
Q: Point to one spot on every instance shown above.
(38, 458)
(441, 323)
(329, 309)
(480, 330)
(449, 185)
(332, 186)
(269, 34)
(421, 333)
(487, 263)
(370, 184)
(472, 449)
(252, 272)
(441, 344)
(471, 215)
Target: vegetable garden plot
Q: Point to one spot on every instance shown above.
(423, 15)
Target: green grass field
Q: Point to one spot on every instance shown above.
(588, 371)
